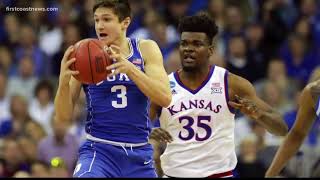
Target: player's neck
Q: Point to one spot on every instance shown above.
(123, 43)
(193, 79)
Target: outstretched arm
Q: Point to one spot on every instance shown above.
(296, 136)
(243, 97)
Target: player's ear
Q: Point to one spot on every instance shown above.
(211, 50)
(126, 22)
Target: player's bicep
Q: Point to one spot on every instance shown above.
(245, 89)
(154, 67)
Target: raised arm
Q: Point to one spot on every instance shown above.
(154, 83)
(243, 97)
(68, 90)
(296, 136)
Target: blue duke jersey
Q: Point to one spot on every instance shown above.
(117, 109)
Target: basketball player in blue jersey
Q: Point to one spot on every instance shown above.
(309, 110)
(117, 124)
(199, 122)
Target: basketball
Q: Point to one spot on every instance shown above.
(91, 61)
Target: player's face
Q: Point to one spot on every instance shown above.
(195, 51)
(108, 27)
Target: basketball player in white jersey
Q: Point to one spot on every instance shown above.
(309, 109)
(200, 118)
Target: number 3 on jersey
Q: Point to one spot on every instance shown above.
(121, 95)
(200, 124)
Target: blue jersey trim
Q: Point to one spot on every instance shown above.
(131, 49)
(226, 89)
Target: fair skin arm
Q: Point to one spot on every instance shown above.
(154, 83)
(244, 98)
(68, 90)
(296, 136)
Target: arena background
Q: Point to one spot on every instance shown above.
(273, 43)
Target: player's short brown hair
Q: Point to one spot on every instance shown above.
(120, 7)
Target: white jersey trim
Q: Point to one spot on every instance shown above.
(318, 108)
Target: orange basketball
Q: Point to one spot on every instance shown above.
(91, 61)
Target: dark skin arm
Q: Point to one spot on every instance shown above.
(158, 138)
(305, 118)
(157, 151)
(243, 97)
(158, 134)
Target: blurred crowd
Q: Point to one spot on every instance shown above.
(275, 44)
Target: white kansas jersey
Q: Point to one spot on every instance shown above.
(202, 126)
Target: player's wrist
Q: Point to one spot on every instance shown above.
(132, 70)
(63, 82)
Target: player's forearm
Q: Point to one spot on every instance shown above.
(156, 157)
(273, 122)
(63, 104)
(158, 167)
(288, 149)
(157, 91)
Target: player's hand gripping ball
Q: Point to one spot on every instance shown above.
(91, 61)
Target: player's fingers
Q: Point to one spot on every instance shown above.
(72, 72)
(114, 73)
(69, 62)
(164, 137)
(235, 105)
(155, 135)
(114, 49)
(115, 57)
(67, 53)
(107, 50)
(238, 98)
(152, 136)
(113, 66)
(168, 139)
(167, 136)
(249, 108)
(161, 135)
(75, 72)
